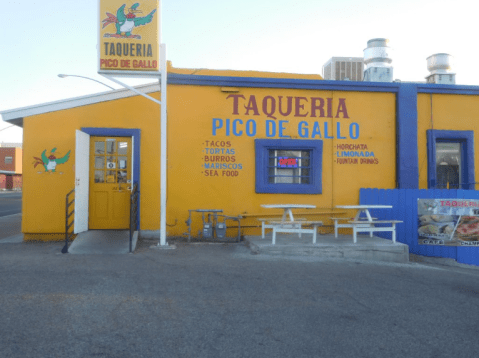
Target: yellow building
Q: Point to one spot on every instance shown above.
(237, 140)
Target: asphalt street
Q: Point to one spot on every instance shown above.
(219, 300)
(10, 203)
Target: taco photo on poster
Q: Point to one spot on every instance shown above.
(436, 229)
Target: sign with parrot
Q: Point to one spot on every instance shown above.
(129, 35)
(50, 163)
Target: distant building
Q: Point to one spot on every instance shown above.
(10, 168)
(10, 145)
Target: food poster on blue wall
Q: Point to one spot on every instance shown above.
(450, 222)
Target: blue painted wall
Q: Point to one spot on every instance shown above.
(404, 202)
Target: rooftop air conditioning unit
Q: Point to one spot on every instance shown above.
(344, 69)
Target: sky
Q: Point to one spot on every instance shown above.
(41, 39)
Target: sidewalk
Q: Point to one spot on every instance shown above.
(9, 191)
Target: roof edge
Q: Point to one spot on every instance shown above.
(15, 116)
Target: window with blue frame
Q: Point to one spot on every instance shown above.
(450, 159)
(289, 166)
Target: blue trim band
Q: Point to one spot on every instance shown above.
(327, 85)
(466, 138)
(407, 152)
(447, 89)
(255, 82)
(123, 132)
(262, 147)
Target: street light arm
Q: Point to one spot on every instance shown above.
(13, 125)
(88, 78)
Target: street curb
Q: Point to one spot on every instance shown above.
(14, 239)
(439, 261)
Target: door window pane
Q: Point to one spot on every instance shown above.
(448, 165)
(99, 176)
(99, 162)
(111, 162)
(122, 162)
(122, 176)
(111, 176)
(122, 148)
(99, 147)
(111, 146)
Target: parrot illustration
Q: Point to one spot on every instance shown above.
(126, 23)
(50, 163)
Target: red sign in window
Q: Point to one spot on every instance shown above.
(285, 162)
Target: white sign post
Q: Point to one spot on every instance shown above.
(142, 68)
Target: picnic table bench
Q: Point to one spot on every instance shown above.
(306, 227)
(338, 225)
(266, 224)
(369, 226)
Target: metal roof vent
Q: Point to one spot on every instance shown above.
(378, 62)
(439, 65)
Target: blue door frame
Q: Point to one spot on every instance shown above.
(123, 132)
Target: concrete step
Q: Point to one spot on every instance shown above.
(103, 242)
(367, 248)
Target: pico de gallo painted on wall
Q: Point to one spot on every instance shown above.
(50, 163)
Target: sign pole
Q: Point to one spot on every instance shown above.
(163, 137)
(129, 42)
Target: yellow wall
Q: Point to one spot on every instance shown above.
(190, 114)
(444, 112)
(44, 192)
(191, 110)
(236, 73)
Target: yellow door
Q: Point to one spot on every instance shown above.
(110, 182)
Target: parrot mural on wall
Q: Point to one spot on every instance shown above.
(126, 23)
(50, 163)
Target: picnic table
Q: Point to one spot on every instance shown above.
(365, 224)
(291, 225)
